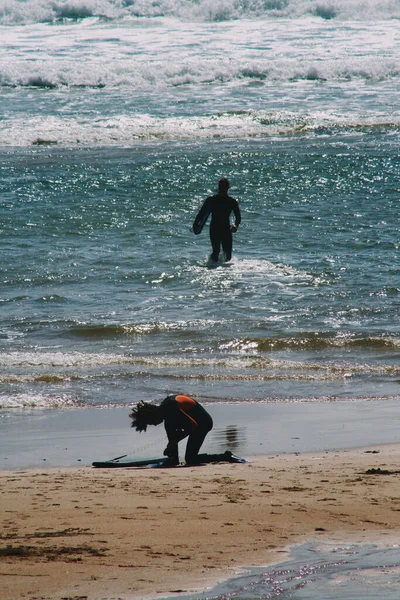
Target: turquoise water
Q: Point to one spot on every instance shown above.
(106, 294)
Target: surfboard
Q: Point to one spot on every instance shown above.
(162, 462)
(125, 461)
(199, 222)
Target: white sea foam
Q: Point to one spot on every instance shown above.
(125, 130)
(247, 358)
(55, 359)
(13, 11)
(29, 400)
(142, 68)
(230, 80)
(266, 268)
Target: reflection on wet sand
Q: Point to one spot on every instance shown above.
(231, 438)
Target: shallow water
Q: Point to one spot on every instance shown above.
(76, 437)
(316, 572)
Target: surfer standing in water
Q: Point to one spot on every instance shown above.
(220, 207)
(183, 417)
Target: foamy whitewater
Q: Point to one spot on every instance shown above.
(118, 73)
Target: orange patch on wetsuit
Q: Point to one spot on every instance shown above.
(185, 405)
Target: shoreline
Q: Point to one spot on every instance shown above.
(46, 438)
(146, 533)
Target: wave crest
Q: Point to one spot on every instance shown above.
(127, 130)
(29, 400)
(312, 342)
(122, 74)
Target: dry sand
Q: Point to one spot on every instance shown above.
(124, 533)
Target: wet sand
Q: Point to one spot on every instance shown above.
(127, 534)
(77, 437)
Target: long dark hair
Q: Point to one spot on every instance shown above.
(140, 413)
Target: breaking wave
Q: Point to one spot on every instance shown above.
(29, 401)
(127, 130)
(124, 74)
(244, 357)
(53, 11)
(43, 401)
(313, 342)
(48, 380)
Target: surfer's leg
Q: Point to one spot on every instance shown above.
(195, 442)
(227, 244)
(215, 242)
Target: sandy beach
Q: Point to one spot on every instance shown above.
(129, 534)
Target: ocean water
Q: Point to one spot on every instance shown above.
(117, 120)
(319, 572)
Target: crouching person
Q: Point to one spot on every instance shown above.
(183, 417)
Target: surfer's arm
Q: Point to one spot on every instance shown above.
(173, 423)
(174, 437)
(236, 212)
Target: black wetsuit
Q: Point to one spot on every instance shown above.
(221, 206)
(184, 417)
